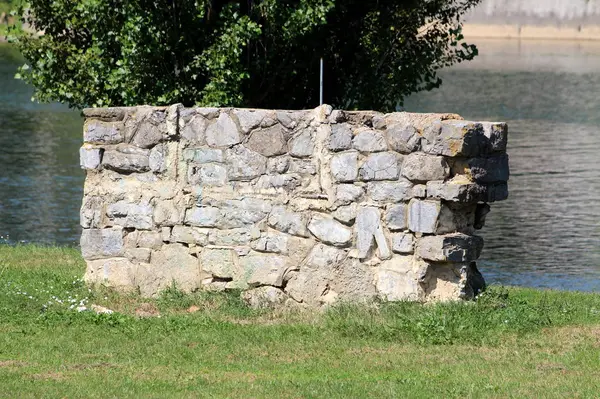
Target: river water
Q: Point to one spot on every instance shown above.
(546, 235)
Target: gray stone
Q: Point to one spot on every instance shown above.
(481, 212)
(90, 158)
(302, 144)
(268, 142)
(380, 166)
(330, 231)
(419, 191)
(244, 164)
(395, 217)
(189, 235)
(92, 212)
(118, 273)
(485, 170)
(497, 135)
(194, 130)
(288, 222)
(203, 216)
(151, 130)
(208, 112)
(337, 116)
(99, 132)
(456, 217)
(131, 215)
(423, 215)
(291, 119)
(219, 262)
(230, 237)
(203, 155)
(421, 167)
(126, 160)
(454, 138)
(242, 213)
(223, 133)
(348, 193)
(457, 190)
(340, 138)
(304, 166)
(266, 297)
(390, 191)
(249, 119)
(172, 265)
(271, 242)
(368, 231)
(396, 281)
(207, 175)
(101, 243)
(344, 167)
(138, 255)
(147, 239)
(403, 138)
(496, 192)
(346, 214)
(165, 234)
(264, 269)
(368, 140)
(157, 159)
(288, 182)
(403, 243)
(278, 164)
(166, 213)
(450, 248)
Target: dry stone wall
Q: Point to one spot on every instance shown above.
(291, 207)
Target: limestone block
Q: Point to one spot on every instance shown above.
(89, 157)
(127, 159)
(303, 166)
(288, 222)
(455, 247)
(207, 175)
(403, 243)
(352, 281)
(138, 255)
(369, 231)
(268, 142)
(396, 281)
(230, 237)
(288, 182)
(264, 297)
(292, 119)
(420, 167)
(171, 265)
(223, 133)
(390, 191)
(380, 166)
(244, 164)
(419, 191)
(264, 269)
(194, 130)
(457, 190)
(249, 119)
(497, 135)
(302, 144)
(220, 262)
(484, 170)
(189, 235)
(242, 213)
(203, 155)
(278, 164)
(330, 231)
(209, 113)
(340, 138)
(117, 273)
(101, 243)
(205, 216)
(271, 242)
(423, 215)
(165, 233)
(143, 239)
(348, 193)
(403, 138)
(167, 213)
(92, 212)
(157, 160)
(368, 140)
(456, 217)
(99, 132)
(346, 214)
(150, 130)
(395, 217)
(344, 167)
(131, 215)
(454, 138)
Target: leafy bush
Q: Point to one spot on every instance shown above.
(260, 53)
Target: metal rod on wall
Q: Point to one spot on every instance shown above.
(321, 85)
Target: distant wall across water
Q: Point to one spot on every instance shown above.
(540, 19)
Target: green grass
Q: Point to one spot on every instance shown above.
(509, 343)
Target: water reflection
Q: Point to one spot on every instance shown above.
(548, 232)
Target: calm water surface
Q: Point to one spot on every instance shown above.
(547, 234)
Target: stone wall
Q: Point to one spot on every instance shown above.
(290, 206)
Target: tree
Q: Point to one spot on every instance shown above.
(258, 53)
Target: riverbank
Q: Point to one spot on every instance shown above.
(531, 32)
(510, 343)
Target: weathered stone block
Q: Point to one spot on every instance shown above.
(497, 135)
(395, 217)
(484, 170)
(99, 132)
(456, 247)
(380, 166)
(249, 118)
(390, 191)
(344, 167)
(203, 155)
(189, 235)
(219, 262)
(157, 160)
(368, 140)
(423, 215)
(243, 213)
(101, 243)
(223, 133)
(278, 164)
(194, 130)
(203, 216)
(403, 243)
(303, 166)
(264, 269)
(127, 159)
(271, 242)
(346, 214)
(132, 215)
(244, 164)
(454, 138)
(348, 193)
(419, 191)
(230, 237)
(420, 167)
(264, 297)
(330, 231)
(403, 138)
(89, 157)
(167, 213)
(207, 174)
(457, 190)
(340, 138)
(288, 222)
(369, 231)
(268, 142)
(302, 144)
(117, 273)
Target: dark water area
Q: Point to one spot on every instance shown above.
(546, 235)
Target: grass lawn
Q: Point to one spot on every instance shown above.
(509, 343)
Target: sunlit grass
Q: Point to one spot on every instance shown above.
(509, 343)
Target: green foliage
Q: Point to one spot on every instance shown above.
(260, 53)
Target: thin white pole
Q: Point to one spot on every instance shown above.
(321, 85)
